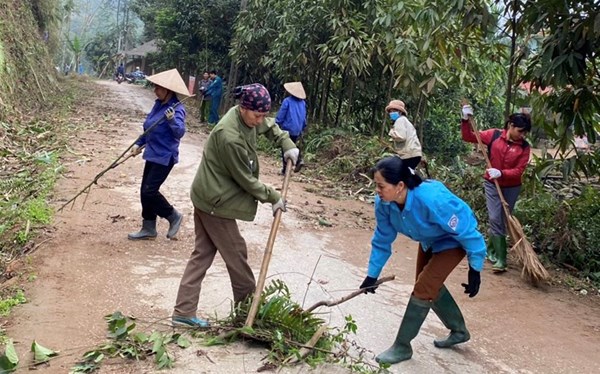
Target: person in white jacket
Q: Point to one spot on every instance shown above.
(404, 135)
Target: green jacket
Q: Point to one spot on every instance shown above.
(226, 183)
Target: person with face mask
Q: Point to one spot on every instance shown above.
(404, 135)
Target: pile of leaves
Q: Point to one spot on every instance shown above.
(281, 324)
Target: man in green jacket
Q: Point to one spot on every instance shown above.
(227, 188)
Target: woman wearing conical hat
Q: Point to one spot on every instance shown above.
(161, 152)
(292, 116)
(404, 135)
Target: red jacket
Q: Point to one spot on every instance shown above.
(510, 157)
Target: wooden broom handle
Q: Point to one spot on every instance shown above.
(483, 150)
(268, 251)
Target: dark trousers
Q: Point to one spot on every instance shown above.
(433, 269)
(494, 206)
(213, 115)
(295, 140)
(153, 202)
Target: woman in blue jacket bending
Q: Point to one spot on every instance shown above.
(446, 229)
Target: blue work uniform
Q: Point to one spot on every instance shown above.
(433, 216)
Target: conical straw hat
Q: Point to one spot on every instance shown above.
(171, 80)
(295, 89)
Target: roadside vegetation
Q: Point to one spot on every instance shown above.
(501, 56)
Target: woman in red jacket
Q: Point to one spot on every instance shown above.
(509, 154)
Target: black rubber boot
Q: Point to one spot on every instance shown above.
(415, 314)
(174, 224)
(445, 307)
(148, 231)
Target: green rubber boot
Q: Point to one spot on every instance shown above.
(491, 251)
(415, 314)
(148, 231)
(445, 307)
(500, 247)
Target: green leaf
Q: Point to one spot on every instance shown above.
(10, 359)
(183, 342)
(41, 353)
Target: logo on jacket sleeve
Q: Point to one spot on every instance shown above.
(453, 222)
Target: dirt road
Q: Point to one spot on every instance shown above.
(89, 269)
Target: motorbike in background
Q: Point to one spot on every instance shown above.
(119, 78)
(136, 76)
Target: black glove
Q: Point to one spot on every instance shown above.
(472, 288)
(369, 285)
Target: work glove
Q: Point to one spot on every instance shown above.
(292, 154)
(279, 205)
(472, 288)
(135, 150)
(170, 114)
(467, 111)
(368, 285)
(494, 173)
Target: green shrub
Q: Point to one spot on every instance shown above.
(565, 232)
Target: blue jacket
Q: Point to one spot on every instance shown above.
(162, 142)
(215, 90)
(433, 216)
(292, 115)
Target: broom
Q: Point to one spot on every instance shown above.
(533, 270)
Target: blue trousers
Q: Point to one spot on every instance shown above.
(213, 115)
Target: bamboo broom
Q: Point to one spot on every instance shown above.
(533, 270)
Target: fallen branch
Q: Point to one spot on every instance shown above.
(307, 348)
(122, 158)
(348, 297)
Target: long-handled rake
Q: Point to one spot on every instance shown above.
(533, 269)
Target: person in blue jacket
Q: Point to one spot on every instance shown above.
(215, 91)
(291, 117)
(446, 229)
(161, 152)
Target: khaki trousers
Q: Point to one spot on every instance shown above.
(214, 234)
(433, 269)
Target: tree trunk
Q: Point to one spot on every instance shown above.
(325, 97)
(314, 93)
(341, 99)
(419, 116)
(388, 97)
(350, 96)
(233, 72)
(511, 67)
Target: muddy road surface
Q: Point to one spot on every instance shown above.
(87, 269)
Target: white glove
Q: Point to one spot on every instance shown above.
(135, 150)
(494, 173)
(292, 154)
(278, 205)
(466, 112)
(170, 114)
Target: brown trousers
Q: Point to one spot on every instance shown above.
(433, 269)
(214, 234)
